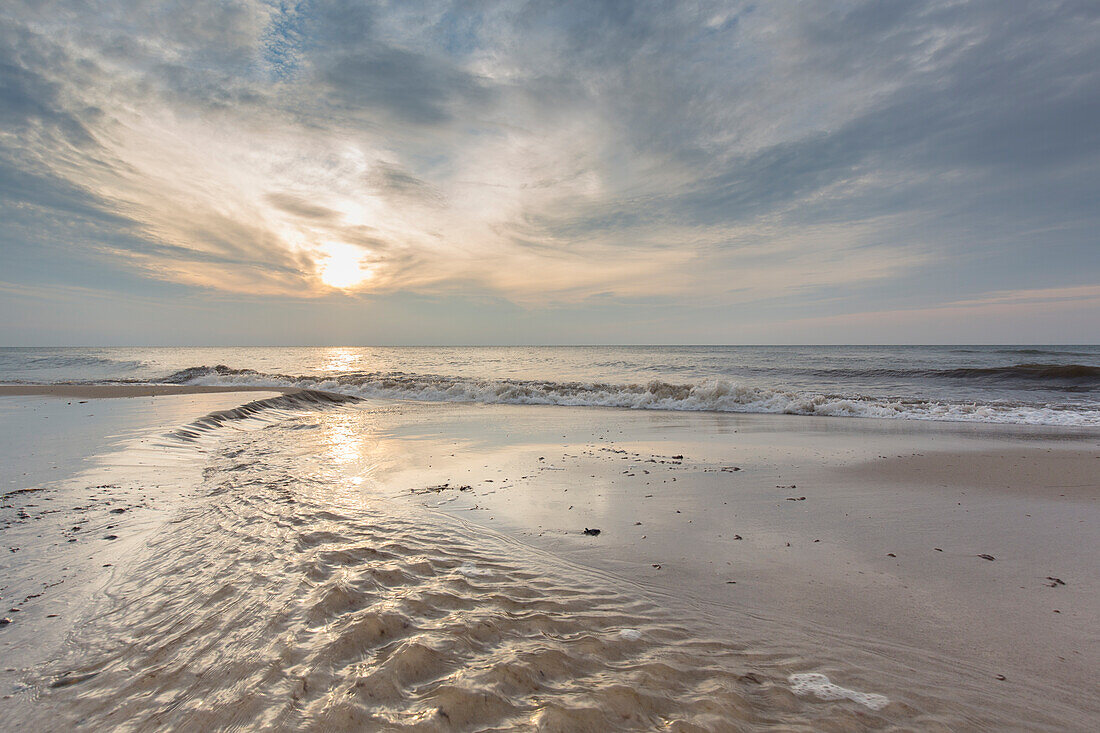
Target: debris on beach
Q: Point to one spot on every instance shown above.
(439, 488)
(592, 532)
(71, 678)
(1055, 582)
(986, 557)
(796, 498)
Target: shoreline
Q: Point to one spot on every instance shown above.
(885, 424)
(105, 391)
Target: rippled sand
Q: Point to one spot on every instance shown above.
(285, 597)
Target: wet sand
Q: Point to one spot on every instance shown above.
(109, 391)
(871, 533)
(412, 565)
(85, 480)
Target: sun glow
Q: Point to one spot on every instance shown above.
(343, 267)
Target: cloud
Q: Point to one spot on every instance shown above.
(984, 316)
(1059, 296)
(555, 152)
(299, 206)
(407, 87)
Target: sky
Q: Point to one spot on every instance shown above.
(355, 173)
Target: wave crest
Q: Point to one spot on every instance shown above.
(1080, 373)
(713, 395)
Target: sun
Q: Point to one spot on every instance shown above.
(342, 266)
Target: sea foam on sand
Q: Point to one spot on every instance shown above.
(819, 686)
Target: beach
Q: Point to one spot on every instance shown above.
(67, 487)
(398, 564)
(550, 366)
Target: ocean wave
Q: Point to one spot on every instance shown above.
(1046, 352)
(1078, 373)
(1053, 376)
(711, 395)
(16, 360)
(190, 374)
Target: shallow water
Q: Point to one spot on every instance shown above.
(286, 595)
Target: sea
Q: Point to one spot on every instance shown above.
(1031, 385)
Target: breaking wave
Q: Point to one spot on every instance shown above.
(715, 395)
(1074, 377)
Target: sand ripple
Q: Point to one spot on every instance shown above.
(284, 600)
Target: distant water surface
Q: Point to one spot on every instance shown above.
(1038, 385)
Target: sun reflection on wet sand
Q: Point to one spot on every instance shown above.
(355, 453)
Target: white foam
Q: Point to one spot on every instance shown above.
(812, 683)
(715, 395)
(470, 570)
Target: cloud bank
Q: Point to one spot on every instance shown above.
(857, 156)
